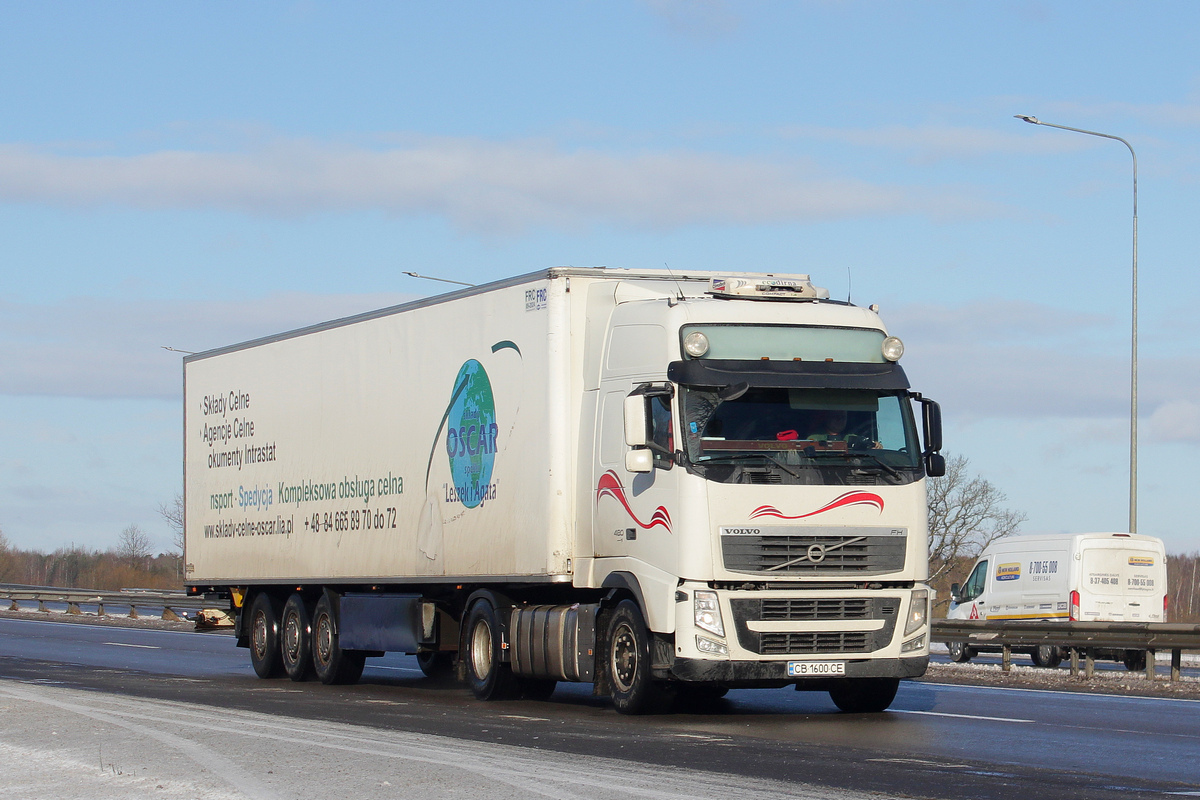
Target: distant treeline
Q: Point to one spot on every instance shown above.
(89, 569)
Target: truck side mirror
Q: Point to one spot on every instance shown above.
(639, 460)
(635, 421)
(955, 592)
(931, 417)
(935, 465)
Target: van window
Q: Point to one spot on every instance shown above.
(974, 585)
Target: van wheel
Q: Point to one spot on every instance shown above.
(264, 636)
(331, 662)
(1047, 656)
(488, 677)
(295, 639)
(864, 695)
(959, 652)
(1134, 660)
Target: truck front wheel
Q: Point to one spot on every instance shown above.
(488, 677)
(864, 695)
(331, 662)
(634, 691)
(264, 636)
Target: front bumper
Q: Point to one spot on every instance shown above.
(774, 673)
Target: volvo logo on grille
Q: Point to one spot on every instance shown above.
(816, 553)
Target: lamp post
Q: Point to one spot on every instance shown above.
(1133, 364)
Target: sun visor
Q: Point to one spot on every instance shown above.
(789, 374)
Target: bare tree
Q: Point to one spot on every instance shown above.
(172, 512)
(133, 545)
(8, 563)
(966, 514)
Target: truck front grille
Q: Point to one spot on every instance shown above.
(814, 554)
(816, 609)
(823, 608)
(782, 644)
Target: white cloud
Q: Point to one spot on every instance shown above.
(1008, 359)
(1176, 421)
(92, 347)
(486, 186)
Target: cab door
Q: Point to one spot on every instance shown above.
(631, 510)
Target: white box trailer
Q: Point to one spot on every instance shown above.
(661, 483)
(1086, 577)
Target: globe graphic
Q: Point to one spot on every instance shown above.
(471, 434)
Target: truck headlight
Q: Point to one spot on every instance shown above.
(706, 645)
(893, 348)
(918, 611)
(917, 643)
(708, 612)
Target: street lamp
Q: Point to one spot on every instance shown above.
(1133, 368)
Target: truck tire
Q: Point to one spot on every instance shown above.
(264, 636)
(487, 675)
(295, 639)
(1047, 656)
(333, 665)
(634, 690)
(864, 695)
(436, 665)
(959, 652)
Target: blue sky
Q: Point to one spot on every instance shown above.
(195, 175)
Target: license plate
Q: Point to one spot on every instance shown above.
(804, 669)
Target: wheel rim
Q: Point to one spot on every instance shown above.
(324, 639)
(624, 659)
(259, 636)
(481, 649)
(291, 637)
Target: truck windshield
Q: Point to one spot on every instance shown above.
(808, 436)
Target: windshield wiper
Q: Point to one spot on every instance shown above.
(741, 456)
(848, 454)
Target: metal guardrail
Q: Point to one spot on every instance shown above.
(1080, 638)
(169, 601)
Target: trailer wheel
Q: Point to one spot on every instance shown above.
(331, 662)
(960, 653)
(634, 690)
(264, 636)
(1047, 656)
(488, 677)
(864, 695)
(295, 639)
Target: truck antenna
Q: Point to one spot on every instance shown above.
(678, 288)
(849, 283)
(431, 278)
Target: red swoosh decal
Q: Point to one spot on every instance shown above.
(848, 499)
(610, 485)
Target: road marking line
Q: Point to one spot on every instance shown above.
(395, 669)
(143, 646)
(960, 716)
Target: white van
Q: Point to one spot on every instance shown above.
(1086, 577)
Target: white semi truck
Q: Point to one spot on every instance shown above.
(666, 484)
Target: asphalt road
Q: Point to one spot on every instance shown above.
(937, 741)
